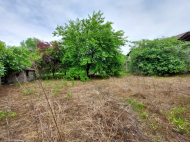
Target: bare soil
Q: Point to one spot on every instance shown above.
(96, 110)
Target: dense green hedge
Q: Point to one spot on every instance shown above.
(163, 56)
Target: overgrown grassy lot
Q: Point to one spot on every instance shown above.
(129, 108)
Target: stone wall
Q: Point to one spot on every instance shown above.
(20, 76)
(31, 75)
(24, 76)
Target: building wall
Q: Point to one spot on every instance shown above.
(24, 76)
(20, 76)
(31, 75)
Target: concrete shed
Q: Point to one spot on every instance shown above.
(23, 76)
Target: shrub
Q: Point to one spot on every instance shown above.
(159, 56)
(2, 57)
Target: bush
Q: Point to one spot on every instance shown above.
(163, 56)
(2, 56)
(13, 59)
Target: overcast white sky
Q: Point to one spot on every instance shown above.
(139, 19)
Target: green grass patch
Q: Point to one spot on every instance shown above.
(143, 115)
(135, 105)
(28, 92)
(64, 82)
(8, 114)
(55, 89)
(124, 73)
(179, 116)
(69, 96)
(3, 114)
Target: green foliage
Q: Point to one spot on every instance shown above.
(159, 56)
(69, 96)
(64, 82)
(50, 61)
(35, 57)
(2, 57)
(50, 76)
(2, 47)
(55, 89)
(13, 59)
(91, 46)
(25, 97)
(182, 126)
(178, 112)
(16, 59)
(17, 84)
(124, 73)
(8, 114)
(2, 69)
(3, 114)
(27, 92)
(143, 115)
(13, 114)
(154, 127)
(177, 116)
(30, 42)
(136, 105)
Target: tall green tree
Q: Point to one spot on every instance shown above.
(16, 59)
(162, 56)
(2, 57)
(30, 42)
(91, 45)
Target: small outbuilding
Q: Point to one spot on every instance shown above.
(26, 75)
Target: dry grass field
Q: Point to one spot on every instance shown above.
(125, 109)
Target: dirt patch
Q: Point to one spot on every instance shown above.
(139, 95)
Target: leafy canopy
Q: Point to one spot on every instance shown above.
(91, 45)
(159, 56)
(30, 42)
(14, 59)
(50, 60)
(2, 57)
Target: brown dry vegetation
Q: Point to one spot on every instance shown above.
(96, 110)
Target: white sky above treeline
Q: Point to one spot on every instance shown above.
(139, 19)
